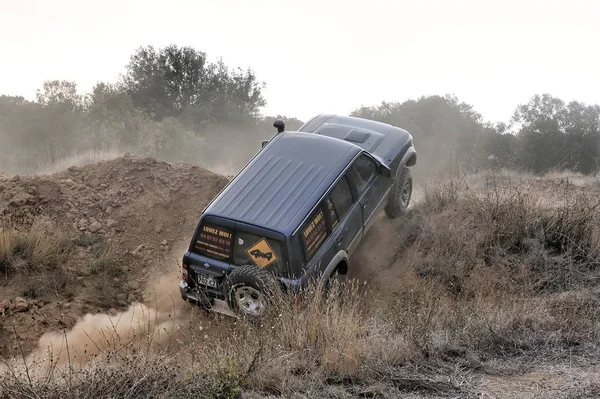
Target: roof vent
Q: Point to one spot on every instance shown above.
(357, 136)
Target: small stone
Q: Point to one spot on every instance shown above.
(158, 229)
(138, 249)
(110, 222)
(95, 182)
(94, 227)
(113, 312)
(20, 304)
(134, 285)
(109, 209)
(164, 242)
(120, 297)
(5, 304)
(69, 182)
(131, 298)
(116, 280)
(92, 220)
(15, 178)
(21, 199)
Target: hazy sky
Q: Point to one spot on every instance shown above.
(322, 56)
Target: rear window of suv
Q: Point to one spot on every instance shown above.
(239, 247)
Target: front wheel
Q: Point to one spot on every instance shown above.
(400, 195)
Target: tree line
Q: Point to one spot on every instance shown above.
(173, 104)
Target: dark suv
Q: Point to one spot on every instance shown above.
(297, 211)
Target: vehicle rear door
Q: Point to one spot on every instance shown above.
(367, 182)
(346, 215)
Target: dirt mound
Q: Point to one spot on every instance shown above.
(135, 200)
(137, 209)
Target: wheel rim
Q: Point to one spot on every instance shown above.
(250, 300)
(405, 194)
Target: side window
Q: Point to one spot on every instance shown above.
(341, 196)
(314, 232)
(362, 171)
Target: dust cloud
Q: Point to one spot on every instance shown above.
(143, 326)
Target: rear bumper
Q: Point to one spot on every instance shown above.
(210, 303)
(192, 296)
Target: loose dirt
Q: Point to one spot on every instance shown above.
(140, 210)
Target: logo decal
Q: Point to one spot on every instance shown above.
(262, 254)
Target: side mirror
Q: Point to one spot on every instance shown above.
(385, 171)
(265, 142)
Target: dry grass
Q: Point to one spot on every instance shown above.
(489, 275)
(41, 246)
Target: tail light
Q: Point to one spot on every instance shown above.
(184, 272)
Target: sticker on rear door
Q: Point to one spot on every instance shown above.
(262, 254)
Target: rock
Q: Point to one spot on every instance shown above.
(21, 199)
(92, 220)
(69, 182)
(158, 229)
(20, 304)
(116, 280)
(94, 227)
(120, 297)
(138, 249)
(110, 222)
(131, 298)
(134, 285)
(95, 182)
(113, 312)
(164, 242)
(15, 178)
(4, 305)
(109, 209)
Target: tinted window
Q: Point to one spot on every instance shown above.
(331, 215)
(361, 172)
(341, 197)
(251, 249)
(314, 232)
(239, 247)
(214, 241)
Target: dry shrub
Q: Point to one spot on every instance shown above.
(36, 248)
(322, 329)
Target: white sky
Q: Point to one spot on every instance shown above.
(322, 56)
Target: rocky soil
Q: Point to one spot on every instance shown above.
(120, 219)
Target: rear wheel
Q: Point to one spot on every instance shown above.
(248, 290)
(400, 195)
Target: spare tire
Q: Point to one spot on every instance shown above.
(400, 195)
(249, 290)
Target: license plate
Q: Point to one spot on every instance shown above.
(207, 280)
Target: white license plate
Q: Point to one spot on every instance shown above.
(205, 279)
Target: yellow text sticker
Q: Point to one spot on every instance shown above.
(262, 254)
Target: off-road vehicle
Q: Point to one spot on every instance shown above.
(296, 211)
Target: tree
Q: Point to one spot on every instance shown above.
(553, 134)
(167, 81)
(60, 94)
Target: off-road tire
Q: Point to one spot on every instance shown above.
(399, 198)
(252, 278)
